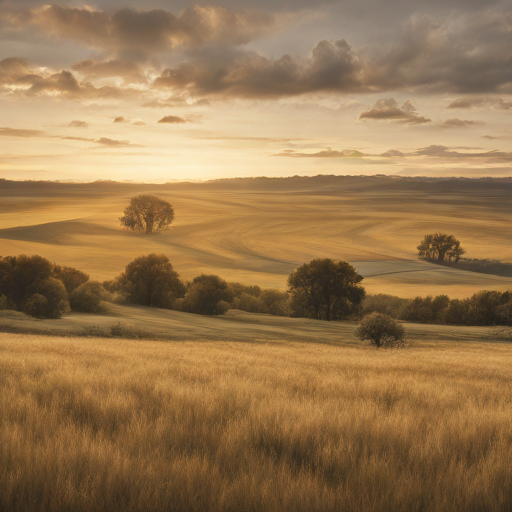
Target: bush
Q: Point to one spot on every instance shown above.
(238, 289)
(20, 275)
(36, 306)
(380, 330)
(150, 281)
(71, 277)
(56, 295)
(249, 303)
(384, 304)
(206, 295)
(88, 298)
(280, 308)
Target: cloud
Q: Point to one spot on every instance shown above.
(388, 110)
(17, 77)
(176, 101)
(332, 66)
(104, 141)
(489, 137)
(327, 153)
(440, 151)
(172, 120)
(135, 32)
(121, 119)
(467, 103)
(431, 152)
(130, 71)
(78, 124)
(17, 132)
(461, 123)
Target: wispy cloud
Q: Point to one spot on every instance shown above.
(17, 132)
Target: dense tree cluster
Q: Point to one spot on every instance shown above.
(36, 286)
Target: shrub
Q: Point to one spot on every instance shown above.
(249, 303)
(280, 308)
(207, 295)
(88, 297)
(385, 304)
(56, 295)
(71, 277)
(271, 296)
(36, 306)
(20, 275)
(238, 289)
(380, 330)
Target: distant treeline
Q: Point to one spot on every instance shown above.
(482, 308)
(484, 266)
(42, 289)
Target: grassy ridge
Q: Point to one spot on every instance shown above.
(209, 426)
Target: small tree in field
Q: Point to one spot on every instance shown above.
(147, 213)
(380, 330)
(440, 247)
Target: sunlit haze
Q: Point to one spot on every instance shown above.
(158, 91)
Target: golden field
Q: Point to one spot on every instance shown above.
(257, 231)
(107, 424)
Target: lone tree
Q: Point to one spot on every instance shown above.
(147, 213)
(440, 247)
(325, 289)
(380, 330)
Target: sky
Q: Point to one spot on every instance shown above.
(158, 90)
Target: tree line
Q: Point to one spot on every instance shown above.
(321, 289)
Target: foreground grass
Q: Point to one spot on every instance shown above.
(91, 424)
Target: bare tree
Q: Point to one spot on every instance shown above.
(147, 213)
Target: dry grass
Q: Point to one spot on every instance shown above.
(91, 424)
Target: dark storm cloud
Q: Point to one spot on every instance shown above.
(389, 110)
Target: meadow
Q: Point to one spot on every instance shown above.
(108, 424)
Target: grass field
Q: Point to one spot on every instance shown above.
(104, 424)
(258, 231)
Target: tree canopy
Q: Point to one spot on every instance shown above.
(440, 247)
(325, 289)
(150, 281)
(147, 213)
